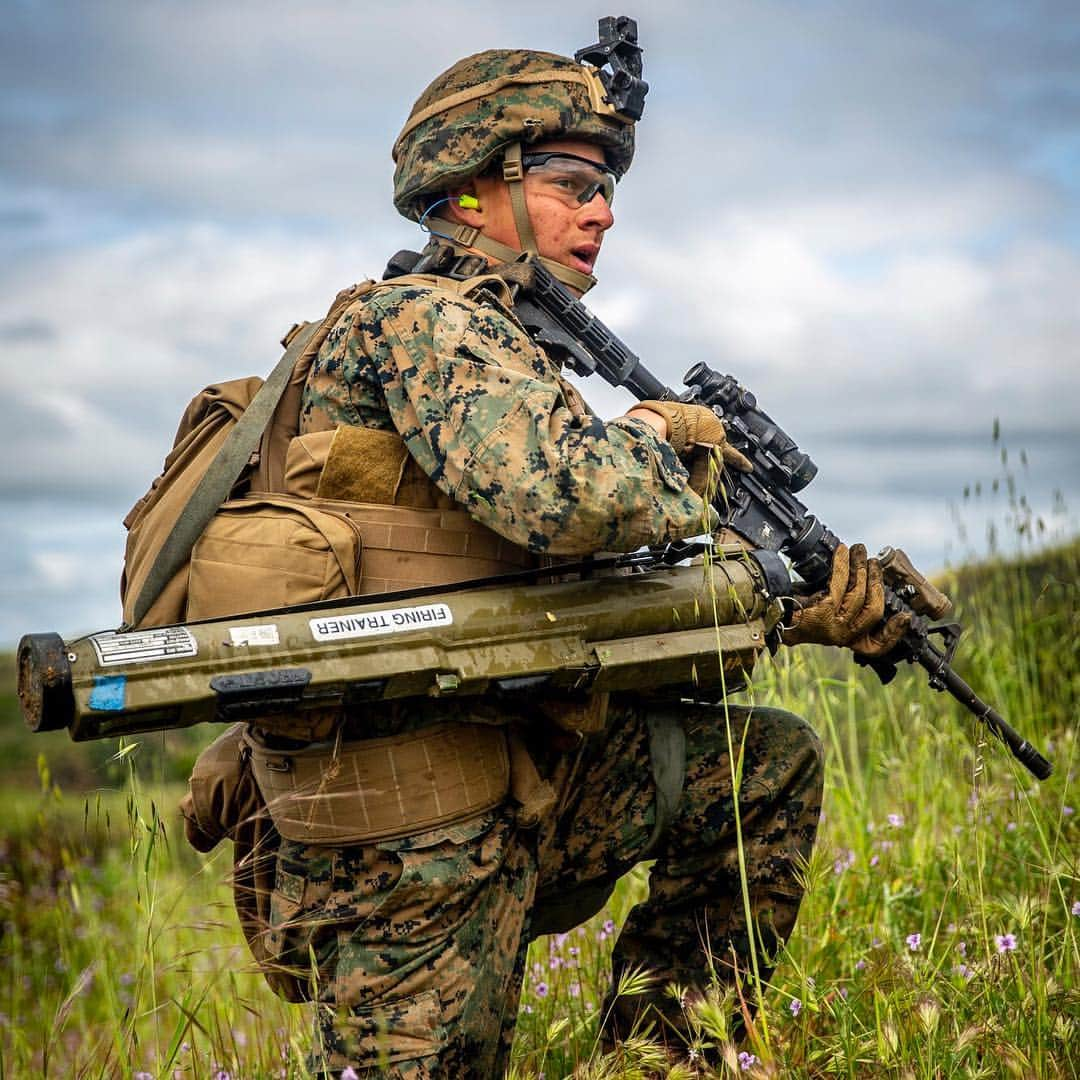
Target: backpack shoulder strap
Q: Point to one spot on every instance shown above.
(218, 480)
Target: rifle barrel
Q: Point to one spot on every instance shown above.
(943, 677)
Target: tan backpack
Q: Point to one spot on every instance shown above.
(231, 435)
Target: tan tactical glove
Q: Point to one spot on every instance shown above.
(850, 611)
(691, 426)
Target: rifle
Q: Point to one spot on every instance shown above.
(761, 506)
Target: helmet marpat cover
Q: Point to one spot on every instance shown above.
(484, 103)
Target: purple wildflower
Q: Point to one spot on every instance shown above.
(1067, 810)
(350, 1073)
(1005, 942)
(1011, 827)
(1076, 908)
(609, 926)
(575, 989)
(896, 820)
(963, 971)
(914, 941)
(795, 1006)
(746, 1060)
(961, 948)
(541, 989)
(874, 860)
(142, 1076)
(860, 965)
(844, 862)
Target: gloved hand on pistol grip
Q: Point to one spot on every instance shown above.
(691, 426)
(850, 610)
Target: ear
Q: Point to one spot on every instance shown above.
(469, 214)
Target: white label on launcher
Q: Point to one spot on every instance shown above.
(371, 623)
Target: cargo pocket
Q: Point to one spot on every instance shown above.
(408, 1029)
(402, 978)
(261, 552)
(296, 926)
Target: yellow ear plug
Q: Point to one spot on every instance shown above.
(468, 202)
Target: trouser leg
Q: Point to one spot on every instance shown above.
(418, 948)
(692, 928)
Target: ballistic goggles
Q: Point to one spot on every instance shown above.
(573, 180)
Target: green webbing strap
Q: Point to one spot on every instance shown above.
(667, 755)
(218, 480)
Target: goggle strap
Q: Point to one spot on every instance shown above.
(586, 74)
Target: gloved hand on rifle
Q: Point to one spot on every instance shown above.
(697, 434)
(850, 610)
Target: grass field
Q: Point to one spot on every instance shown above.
(940, 936)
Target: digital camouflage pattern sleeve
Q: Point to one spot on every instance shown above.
(486, 414)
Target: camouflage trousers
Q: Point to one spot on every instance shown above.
(415, 949)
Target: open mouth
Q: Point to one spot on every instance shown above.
(585, 256)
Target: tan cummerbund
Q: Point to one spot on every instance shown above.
(405, 548)
(377, 789)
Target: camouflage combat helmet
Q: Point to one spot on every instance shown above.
(488, 106)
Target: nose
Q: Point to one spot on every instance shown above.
(597, 213)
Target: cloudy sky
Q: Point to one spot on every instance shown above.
(867, 211)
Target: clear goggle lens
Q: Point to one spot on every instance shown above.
(574, 180)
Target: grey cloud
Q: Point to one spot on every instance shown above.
(30, 331)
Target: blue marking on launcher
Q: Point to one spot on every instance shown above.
(108, 693)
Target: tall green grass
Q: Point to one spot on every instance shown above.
(940, 935)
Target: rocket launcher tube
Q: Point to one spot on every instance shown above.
(679, 628)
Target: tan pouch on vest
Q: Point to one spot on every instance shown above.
(268, 551)
(221, 792)
(380, 789)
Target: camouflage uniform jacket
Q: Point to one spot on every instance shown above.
(487, 416)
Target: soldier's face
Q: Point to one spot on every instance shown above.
(567, 231)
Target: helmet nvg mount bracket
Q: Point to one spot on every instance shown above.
(618, 47)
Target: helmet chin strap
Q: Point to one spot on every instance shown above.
(470, 237)
(514, 175)
(466, 236)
